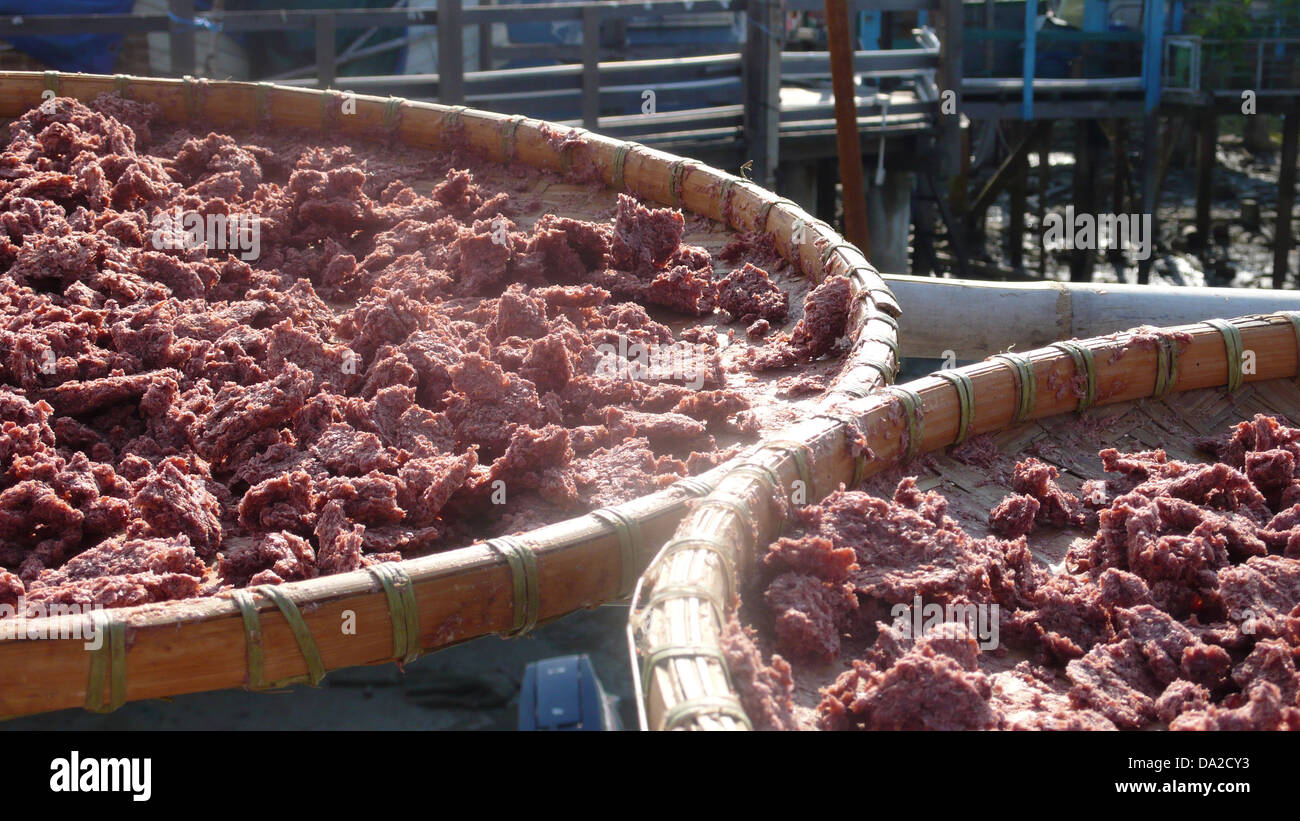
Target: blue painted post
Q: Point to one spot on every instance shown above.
(1031, 37)
(1094, 15)
(1153, 23)
(1176, 18)
(869, 30)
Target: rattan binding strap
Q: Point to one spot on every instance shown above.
(1294, 318)
(508, 129)
(860, 460)
(630, 544)
(1166, 366)
(618, 175)
(253, 637)
(914, 415)
(693, 486)
(724, 555)
(1233, 349)
(966, 399)
(527, 583)
(403, 610)
(107, 662)
(1085, 367)
(1022, 367)
(765, 212)
(706, 705)
(676, 176)
(797, 451)
(677, 651)
(392, 112)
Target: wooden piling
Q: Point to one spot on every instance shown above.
(1044, 182)
(1017, 187)
(1150, 184)
(847, 139)
(1285, 195)
(1207, 137)
(1085, 201)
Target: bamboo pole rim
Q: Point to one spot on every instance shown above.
(525, 563)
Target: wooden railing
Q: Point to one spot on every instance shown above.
(594, 81)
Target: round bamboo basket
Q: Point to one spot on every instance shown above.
(291, 633)
(1146, 392)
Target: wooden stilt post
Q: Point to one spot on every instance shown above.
(451, 48)
(1044, 181)
(1150, 185)
(1285, 195)
(1017, 186)
(762, 78)
(1119, 185)
(1207, 136)
(847, 140)
(1085, 187)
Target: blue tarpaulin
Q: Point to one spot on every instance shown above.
(73, 52)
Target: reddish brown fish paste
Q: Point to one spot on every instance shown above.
(1182, 610)
(178, 421)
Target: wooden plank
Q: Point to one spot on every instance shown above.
(895, 60)
(485, 48)
(181, 35)
(1066, 109)
(1285, 196)
(325, 50)
(1084, 193)
(1150, 183)
(451, 65)
(590, 67)
(1018, 186)
(949, 83)
(847, 139)
(1207, 137)
(764, 20)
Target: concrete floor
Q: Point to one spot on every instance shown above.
(471, 687)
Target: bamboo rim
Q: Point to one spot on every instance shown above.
(503, 586)
(681, 604)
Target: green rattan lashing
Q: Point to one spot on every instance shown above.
(1233, 348)
(913, 415)
(107, 663)
(1085, 367)
(526, 582)
(630, 545)
(1022, 367)
(965, 398)
(706, 705)
(403, 610)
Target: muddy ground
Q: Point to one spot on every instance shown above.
(1238, 254)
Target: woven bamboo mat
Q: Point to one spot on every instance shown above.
(1071, 443)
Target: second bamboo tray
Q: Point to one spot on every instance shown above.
(1225, 371)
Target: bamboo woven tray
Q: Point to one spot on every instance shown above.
(290, 633)
(1145, 397)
